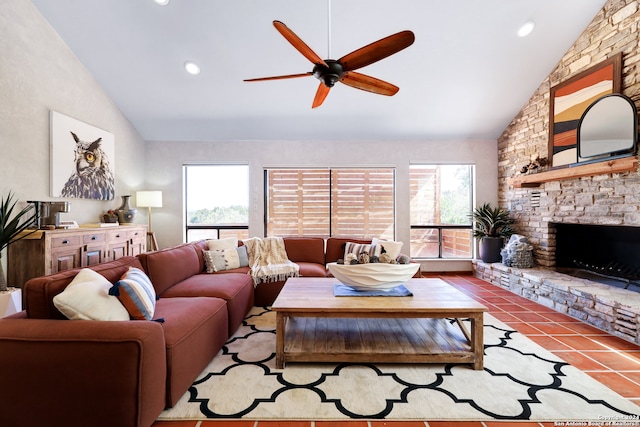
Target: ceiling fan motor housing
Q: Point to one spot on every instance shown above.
(328, 75)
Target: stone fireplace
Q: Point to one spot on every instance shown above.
(607, 197)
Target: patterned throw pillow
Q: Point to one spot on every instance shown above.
(359, 248)
(226, 259)
(87, 298)
(136, 293)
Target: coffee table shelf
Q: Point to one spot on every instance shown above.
(379, 340)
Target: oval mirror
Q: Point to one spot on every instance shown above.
(608, 127)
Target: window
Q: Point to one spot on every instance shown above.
(216, 201)
(441, 200)
(330, 202)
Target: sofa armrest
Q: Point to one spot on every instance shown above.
(80, 372)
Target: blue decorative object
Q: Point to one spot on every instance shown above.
(342, 290)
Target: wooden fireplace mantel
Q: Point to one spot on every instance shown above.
(624, 164)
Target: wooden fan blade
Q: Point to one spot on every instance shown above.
(321, 95)
(377, 50)
(298, 43)
(289, 76)
(369, 84)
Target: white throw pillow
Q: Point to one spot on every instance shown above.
(87, 298)
(222, 244)
(390, 247)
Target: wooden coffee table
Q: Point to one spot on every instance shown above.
(313, 325)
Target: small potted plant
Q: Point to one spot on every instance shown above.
(11, 226)
(491, 226)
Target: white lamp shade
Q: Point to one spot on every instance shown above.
(149, 199)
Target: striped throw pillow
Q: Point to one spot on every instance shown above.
(136, 293)
(359, 248)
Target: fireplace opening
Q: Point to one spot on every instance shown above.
(608, 254)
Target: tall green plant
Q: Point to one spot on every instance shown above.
(11, 225)
(491, 222)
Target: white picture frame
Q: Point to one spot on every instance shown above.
(82, 159)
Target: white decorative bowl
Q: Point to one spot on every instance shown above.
(378, 276)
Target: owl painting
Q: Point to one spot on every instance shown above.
(92, 177)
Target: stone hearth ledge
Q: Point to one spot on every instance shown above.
(614, 310)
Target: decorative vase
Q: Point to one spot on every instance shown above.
(490, 249)
(126, 214)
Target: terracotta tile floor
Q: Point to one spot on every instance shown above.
(611, 360)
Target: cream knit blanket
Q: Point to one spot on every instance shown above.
(268, 260)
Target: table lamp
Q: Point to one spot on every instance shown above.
(150, 199)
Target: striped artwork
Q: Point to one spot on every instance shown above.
(570, 99)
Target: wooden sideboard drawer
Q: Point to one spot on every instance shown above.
(118, 235)
(94, 238)
(61, 241)
(134, 234)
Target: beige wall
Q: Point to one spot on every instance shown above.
(603, 199)
(39, 73)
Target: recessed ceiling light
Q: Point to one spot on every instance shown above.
(526, 29)
(192, 68)
(162, 2)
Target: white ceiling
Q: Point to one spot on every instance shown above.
(466, 76)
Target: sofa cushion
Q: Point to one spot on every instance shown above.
(167, 267)
(87, 298)
(136, 293)
(236, 289)
(305, 249)
(311, 269)
(195, 329)
(39, 291)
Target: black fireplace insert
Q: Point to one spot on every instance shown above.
(609, 251)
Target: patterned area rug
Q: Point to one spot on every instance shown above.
(520, 381)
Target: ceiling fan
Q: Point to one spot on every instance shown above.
(330, 71)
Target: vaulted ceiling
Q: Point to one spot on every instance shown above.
(466, 76)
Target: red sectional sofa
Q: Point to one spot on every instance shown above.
(124, 373)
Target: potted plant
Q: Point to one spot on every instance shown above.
(11, 225)
(491, 226)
